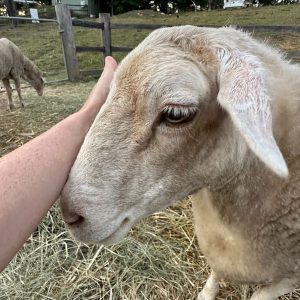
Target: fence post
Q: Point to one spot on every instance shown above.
(66, 30)
(106, 34)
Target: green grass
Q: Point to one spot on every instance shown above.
(160, 259)
(268, 15)
(42, 44)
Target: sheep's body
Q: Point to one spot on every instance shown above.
(247, 211)
(249, 229)
(15, 65)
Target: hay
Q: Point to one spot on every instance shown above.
(159, 259)
(40, 113)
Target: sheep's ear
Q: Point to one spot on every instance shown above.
(243, 94)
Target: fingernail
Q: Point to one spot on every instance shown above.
(107, 59)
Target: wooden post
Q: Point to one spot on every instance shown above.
(106, 34)
(11, 11)
(66, 30)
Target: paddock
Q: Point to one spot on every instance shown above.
(160, 259)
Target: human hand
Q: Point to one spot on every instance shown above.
(100, 91)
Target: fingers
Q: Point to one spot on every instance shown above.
(101, 88)
(100, 91)
(109, 69)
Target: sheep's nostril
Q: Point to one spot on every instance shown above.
(75, 220)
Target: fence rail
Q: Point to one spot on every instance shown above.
(28, 19)
(87, 24)
(89, 49)
(106, 27)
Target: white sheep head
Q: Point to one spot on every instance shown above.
(184, 110)
(33, 76)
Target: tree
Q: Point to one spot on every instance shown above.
(267, 2)
(2, 7)
(48, 2)
(122, 6)
(163, 5)
(183, 4)
(189, 4)
(105, 6)
(10, 8)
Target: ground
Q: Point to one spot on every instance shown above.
(160, 258)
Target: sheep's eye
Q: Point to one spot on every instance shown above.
(177, 115)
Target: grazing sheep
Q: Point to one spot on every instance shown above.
(15, 65)
(208, 112)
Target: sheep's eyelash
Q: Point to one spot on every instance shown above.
(180, 110)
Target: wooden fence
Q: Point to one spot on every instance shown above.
(70, 49)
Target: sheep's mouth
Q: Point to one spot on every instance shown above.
(86, 235)
(40, 93)
(119, 234)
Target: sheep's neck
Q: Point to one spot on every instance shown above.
(252, 197)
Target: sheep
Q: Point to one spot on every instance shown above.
(15, 65)
(210, 113)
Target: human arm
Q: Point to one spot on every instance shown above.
(33, 175)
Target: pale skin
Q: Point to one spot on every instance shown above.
(33, 175)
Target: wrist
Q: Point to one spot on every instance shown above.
(86, 117)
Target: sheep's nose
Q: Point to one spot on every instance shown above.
(70, 216)
(73, 219)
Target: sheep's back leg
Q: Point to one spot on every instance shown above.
(211, 288)
(9, 92)
(275, 290)
(18, 88)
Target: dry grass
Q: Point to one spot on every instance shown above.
(160, 258)
(158, 261)
(20, 126)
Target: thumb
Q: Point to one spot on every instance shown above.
(110, 65)
(101, 89)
